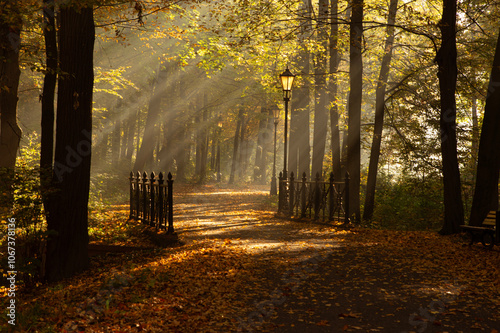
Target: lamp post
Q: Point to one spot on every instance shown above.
(274, 189)
(286, 82)
(217, 166)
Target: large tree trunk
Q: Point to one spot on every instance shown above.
(320, 111)
(379, 113)
(48, 95)
(299, 152)
(10, 132)
(447, 73)
(333, 91)
(355, 97)
(488, 164)
(67, 221)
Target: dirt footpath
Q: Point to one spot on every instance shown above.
(322, 278)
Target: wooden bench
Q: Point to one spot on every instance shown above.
(488, 233)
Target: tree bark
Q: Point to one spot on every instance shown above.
(67, 221)
(379, 113)
(446, 59)
(320, 108)
(243, 149)
(488, 163)
(10, 132)
(333, 91)
(48, 95)
(260, 166)
(299, 152)
(236, 147)
(204, 141)
(355, 97)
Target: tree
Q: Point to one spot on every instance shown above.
(48, 94)
(488, 166)
(67, 222)
(10, 132)
(145, 154)
(379, 113)
(333, 90)
(320, 105)
(355, 96)
(299, 159)
(236, 145)
(446, 59)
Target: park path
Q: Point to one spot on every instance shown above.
(321, 278)
(246, 217)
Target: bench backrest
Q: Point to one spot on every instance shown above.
(490, 219)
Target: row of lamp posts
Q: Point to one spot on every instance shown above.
(286, 79)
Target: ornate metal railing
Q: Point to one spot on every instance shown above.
(326, 200)
(151, 200)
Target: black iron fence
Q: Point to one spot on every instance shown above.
(151, 200)
(317, 199)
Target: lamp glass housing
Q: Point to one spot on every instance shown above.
(276, 114)
(287, 80)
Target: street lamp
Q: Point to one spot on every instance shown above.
(217, 167)
(286, 82)
(274, 189)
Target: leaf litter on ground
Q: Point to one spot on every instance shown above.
(234, 257)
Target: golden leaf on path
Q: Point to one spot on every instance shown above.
(349, 315)
(323, 323)
(345, 328)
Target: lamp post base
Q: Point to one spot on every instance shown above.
(274, 189)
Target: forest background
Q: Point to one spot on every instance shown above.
(191, 87)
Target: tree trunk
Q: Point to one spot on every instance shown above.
(333, 91)
(475, 136)
(379, 113)
(116, 142)
(67, 247)
(181, 147)
(299, 152)
(236, 147)
(204, 141)
(10, 132)
(446, 59)
(355, 97)
(145, 153)
(48, 95)
(258, 174)
(242, 156)
(320, 105)
(488, 163)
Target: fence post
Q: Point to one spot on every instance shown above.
(131, 203)
(160, 201)
(144, 197)
(332, 198)
(280, 192)
(291, 188)
(317, 197)
(347, 217)
(170, 199)
(138, 196)
(152, 216)
(303, 194)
